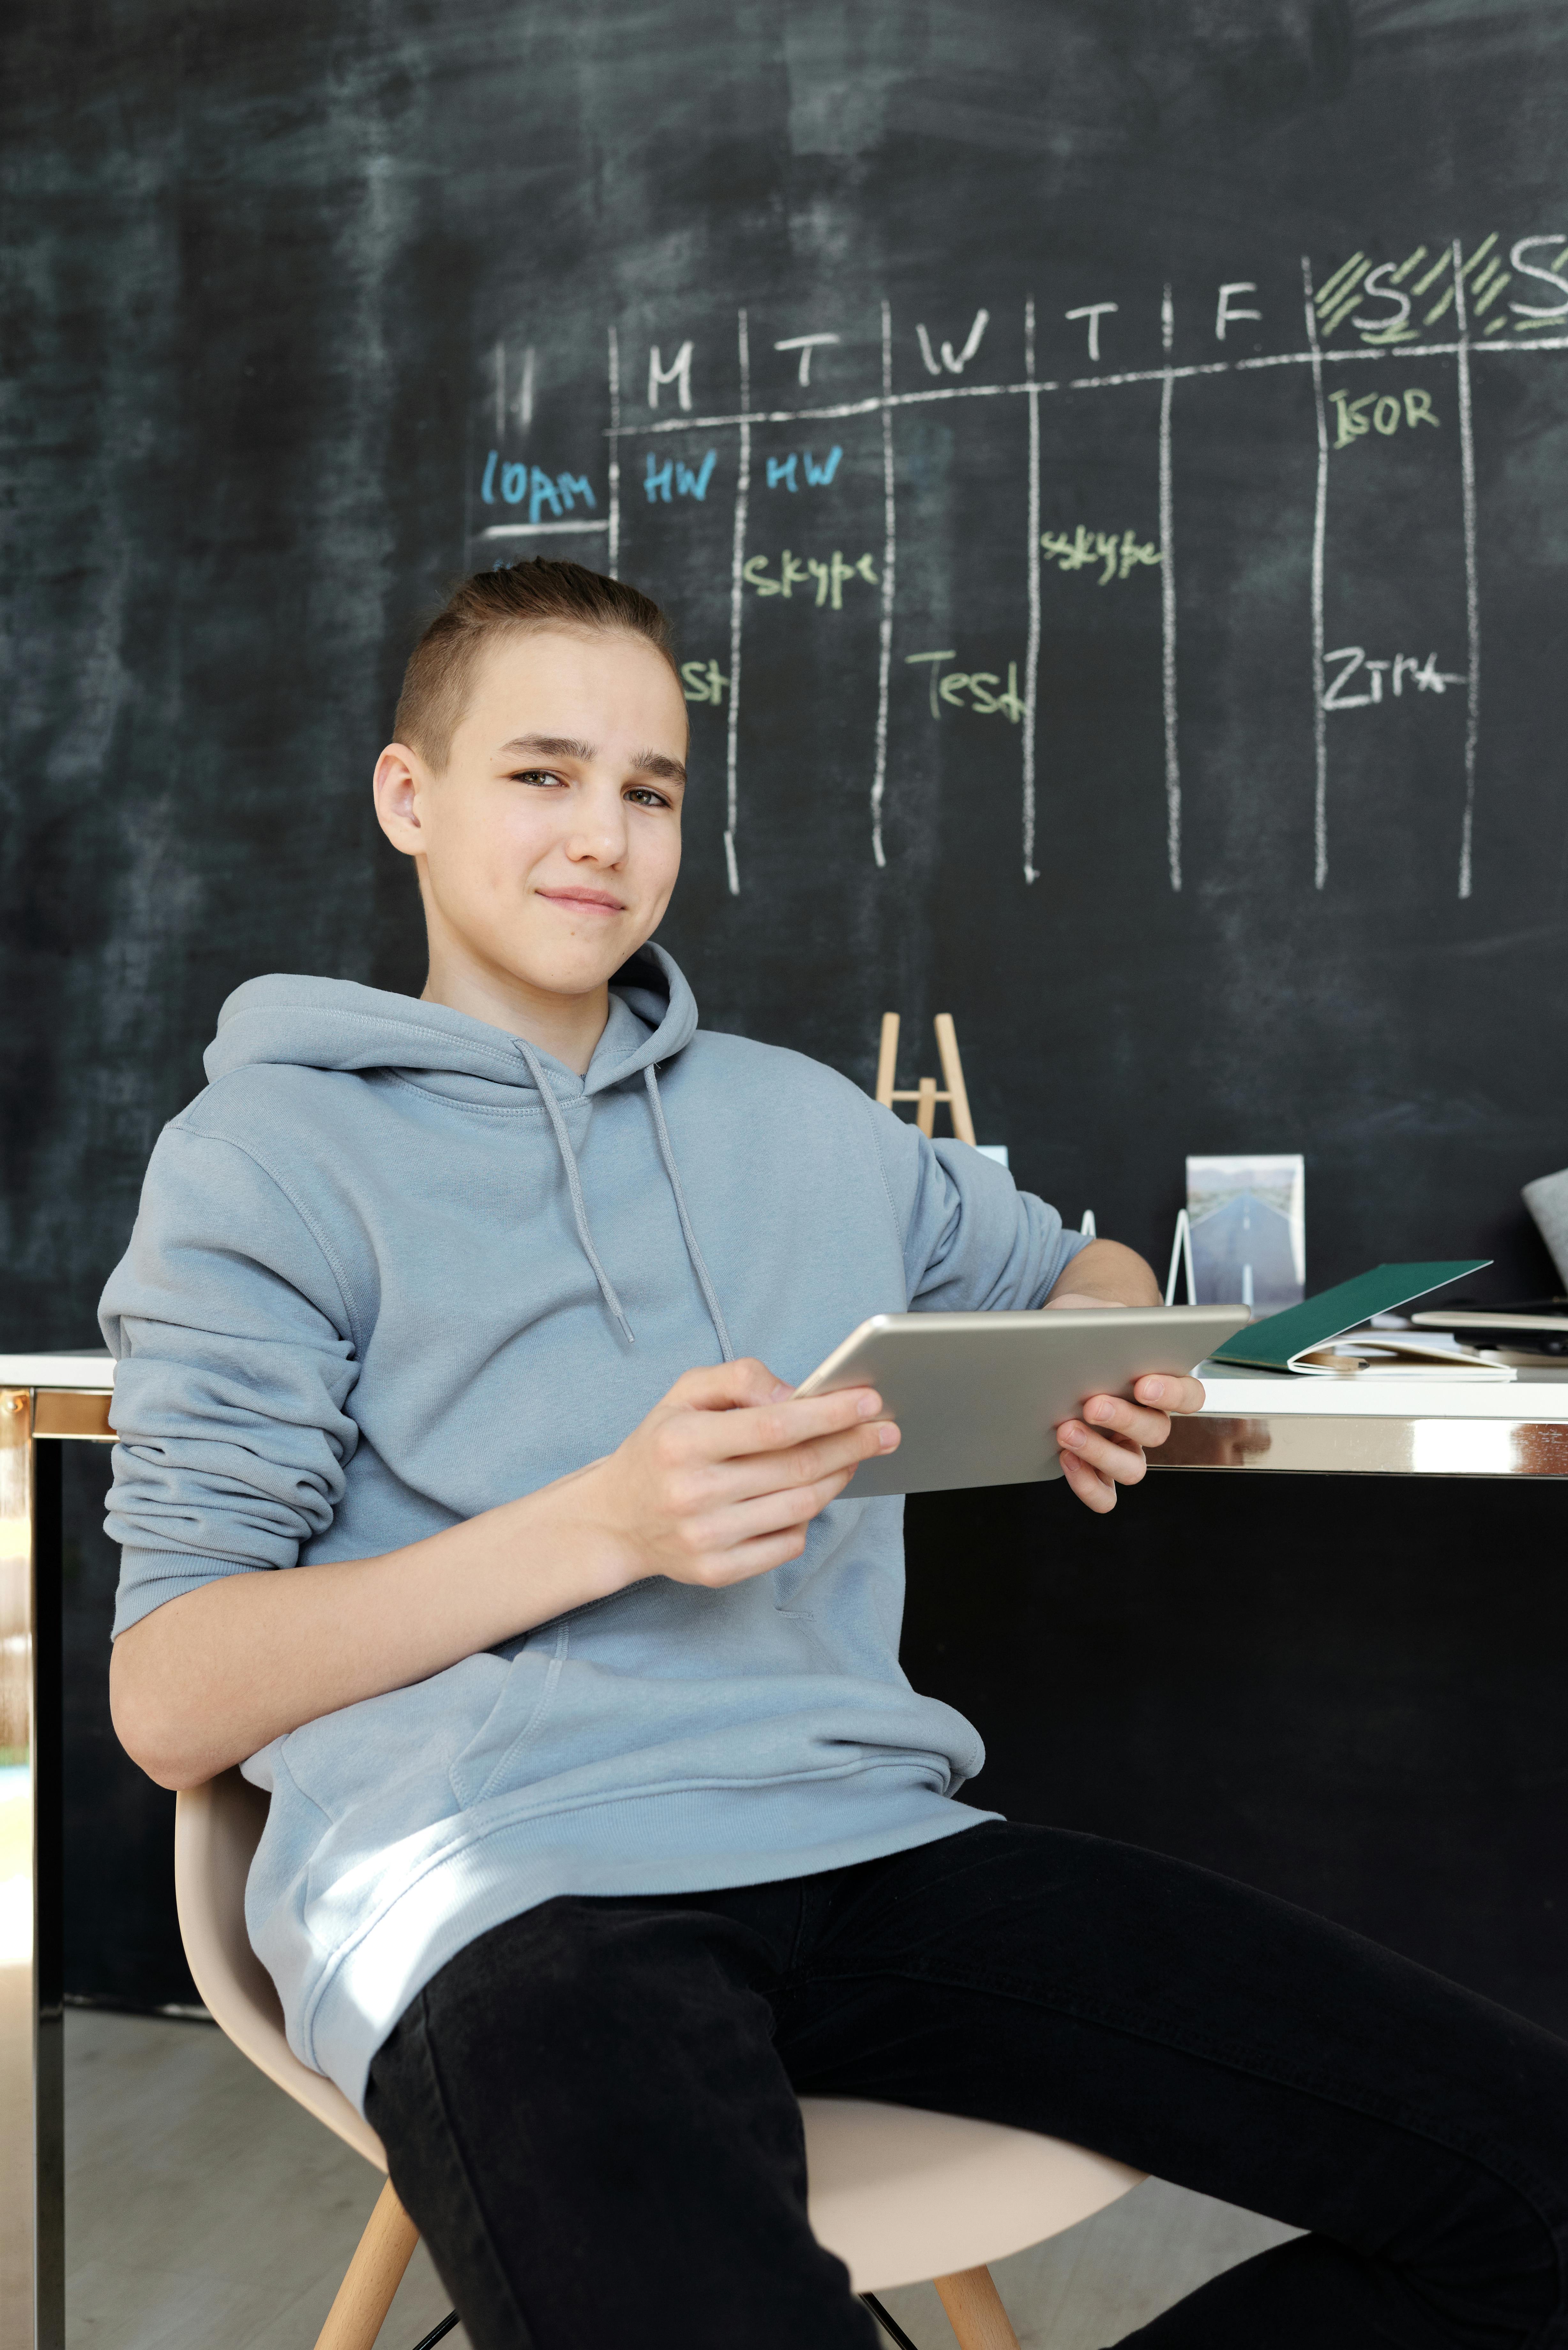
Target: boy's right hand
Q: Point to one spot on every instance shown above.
(720, 1482)
(723, 1476)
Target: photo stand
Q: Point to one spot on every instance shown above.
(1181, 1254)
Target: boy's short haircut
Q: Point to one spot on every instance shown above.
(520, 595)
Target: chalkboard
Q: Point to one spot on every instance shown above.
(1195, 395)
(1104, 462)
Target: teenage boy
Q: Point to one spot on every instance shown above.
(602, 1818)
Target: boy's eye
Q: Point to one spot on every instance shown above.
(645, 796)
(535, 776)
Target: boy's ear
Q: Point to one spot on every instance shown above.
(398, 785)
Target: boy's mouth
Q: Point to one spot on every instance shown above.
(597, 902)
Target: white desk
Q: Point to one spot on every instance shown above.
(1250, 1420)
(1378, 1428)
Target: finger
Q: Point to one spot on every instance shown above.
(767, 1513)
(738, 1434)
(1124, 1463)
(724, 1485)
(1138, 1421)
(1095, 1492)
(1170, 1393)
(718, 1569)
(726, 1387)
(802, 1464)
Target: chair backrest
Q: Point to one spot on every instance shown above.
(216, 1830)
(900, 2195)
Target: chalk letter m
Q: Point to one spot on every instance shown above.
(678, 373)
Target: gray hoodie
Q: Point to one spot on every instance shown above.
(393, 1267)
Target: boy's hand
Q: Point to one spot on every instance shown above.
(723, 1476)
(1105, 1449)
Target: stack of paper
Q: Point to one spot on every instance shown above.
(1398, 1354)
(1533, 1335)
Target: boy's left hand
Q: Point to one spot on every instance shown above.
(1105, 1449)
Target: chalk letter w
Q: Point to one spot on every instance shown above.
(954, 364)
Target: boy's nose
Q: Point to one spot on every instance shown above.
(598, 845)
(598, 835)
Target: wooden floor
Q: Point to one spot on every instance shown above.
(205, 2211)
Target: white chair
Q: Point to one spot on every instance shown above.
(900, 2196)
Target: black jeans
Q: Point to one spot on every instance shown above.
(590, 2111)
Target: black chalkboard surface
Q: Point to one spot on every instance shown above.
(1105, 460)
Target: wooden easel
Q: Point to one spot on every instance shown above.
(926, 1096)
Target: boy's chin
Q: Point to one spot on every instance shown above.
(569, 977)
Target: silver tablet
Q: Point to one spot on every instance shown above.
(978, 1397)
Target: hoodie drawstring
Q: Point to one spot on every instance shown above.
(579, 1207)
(574, 1185)
(705, 1281)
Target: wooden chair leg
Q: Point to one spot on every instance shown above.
(975, 2311)
(375, 2273)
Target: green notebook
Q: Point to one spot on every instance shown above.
(1275, 1343)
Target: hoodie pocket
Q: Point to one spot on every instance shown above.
(520, 1708)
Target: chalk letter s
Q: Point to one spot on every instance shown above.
(1534, 269)
(1386, 328)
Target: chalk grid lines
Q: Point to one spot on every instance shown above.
(1032, 649)
(1319, 547)
(737, 585)
(1033, 389)
(1167, 603)
(1472, 583)
(890, 579)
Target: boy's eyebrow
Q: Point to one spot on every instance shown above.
(654, 763)
(551, 746)
(565, 746)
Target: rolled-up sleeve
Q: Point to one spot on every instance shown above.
(235, 1359)
(973, 1243)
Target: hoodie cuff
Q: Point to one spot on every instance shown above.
(150, 1577)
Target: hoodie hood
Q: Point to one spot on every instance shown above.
(336, 1024)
